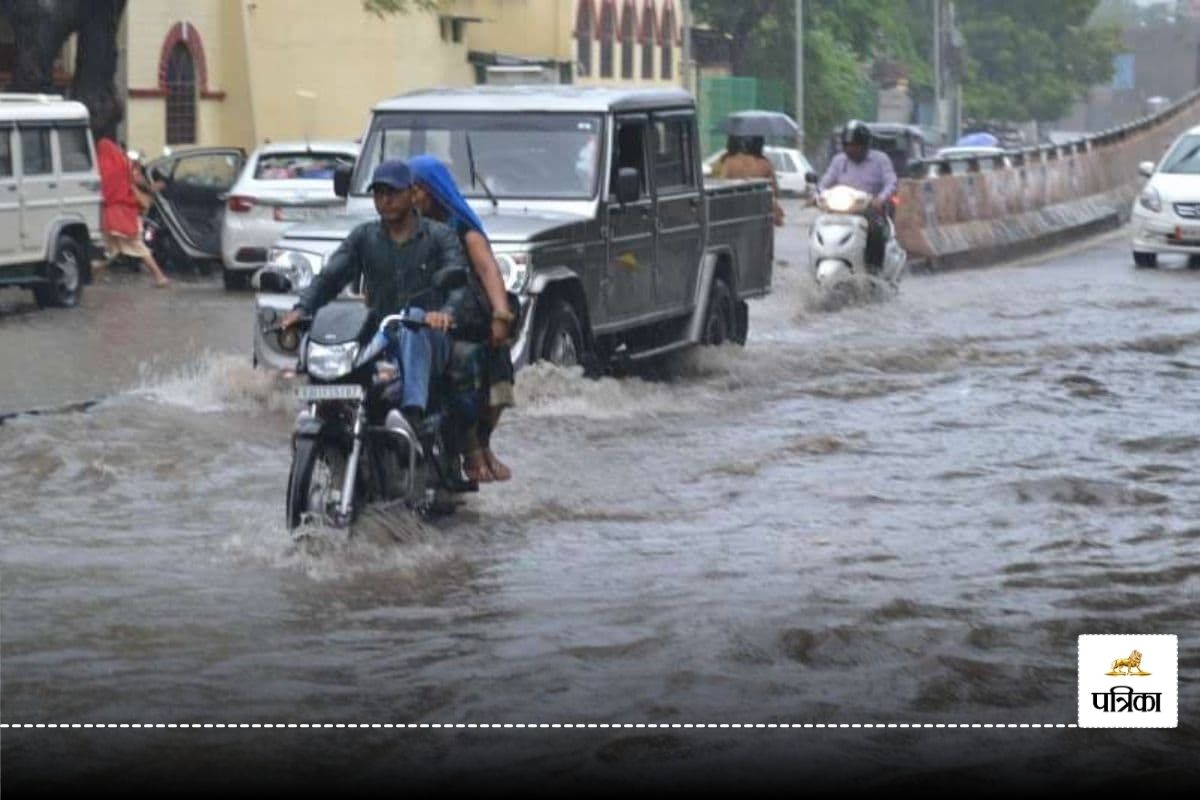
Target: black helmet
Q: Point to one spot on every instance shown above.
(856, 132)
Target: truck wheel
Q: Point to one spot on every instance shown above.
(561, 339)
(1146, 260)
(65, 274)
(720, 321)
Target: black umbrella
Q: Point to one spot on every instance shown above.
(759, 123)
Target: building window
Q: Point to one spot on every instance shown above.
(647, 36)
(608, 31)
(667, 32)
(181, 96)
(628, 25)
(584, 29)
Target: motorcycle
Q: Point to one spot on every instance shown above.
(350, 448)
(838, 247)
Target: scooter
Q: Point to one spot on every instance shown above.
(838, 245)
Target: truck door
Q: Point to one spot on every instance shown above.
(79, 183)
(629, 271)
(39, 188)
(679, 210)
(10, 198)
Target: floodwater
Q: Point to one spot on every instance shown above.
(896, 513)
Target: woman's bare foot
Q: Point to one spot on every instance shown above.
(475, 467)
(162, 283)
(498, 469)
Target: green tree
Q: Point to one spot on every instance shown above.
(1031, 59)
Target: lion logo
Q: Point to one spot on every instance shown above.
(1134, 662)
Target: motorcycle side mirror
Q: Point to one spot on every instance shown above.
(271, 281)
(811, 177)
(450, 278)
(341, 179)
(629, 185)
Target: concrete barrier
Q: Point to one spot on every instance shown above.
(963, 212)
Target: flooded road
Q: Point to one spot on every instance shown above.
(897, 513)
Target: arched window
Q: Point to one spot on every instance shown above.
(647, 36)
(628, 26)
(585, 17)
(667, 35)
(181, 96)
(608, 32)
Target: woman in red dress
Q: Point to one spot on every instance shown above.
(120, 216)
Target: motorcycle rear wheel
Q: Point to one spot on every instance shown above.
(315, 482)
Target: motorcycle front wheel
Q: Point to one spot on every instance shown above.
(315, 482)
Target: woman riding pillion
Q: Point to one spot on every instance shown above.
(483, 375)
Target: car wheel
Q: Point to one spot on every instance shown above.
(1145, 260)
(720, 321)
(561, 340)
(65, 276)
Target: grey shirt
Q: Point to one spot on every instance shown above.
(392, 273)
(873, 175)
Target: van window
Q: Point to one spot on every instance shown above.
(673, 161)
(630, 152)
(35, 151)
(6, 165)
(73, 147)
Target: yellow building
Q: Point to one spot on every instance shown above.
(238, 72)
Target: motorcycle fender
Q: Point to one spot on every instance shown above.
(308, 426)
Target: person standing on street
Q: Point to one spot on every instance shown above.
(121, 213)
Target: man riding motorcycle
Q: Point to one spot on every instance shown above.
(396, 257)
(870, 171)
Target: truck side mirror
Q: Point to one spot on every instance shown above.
(341, 179)
(629, 185)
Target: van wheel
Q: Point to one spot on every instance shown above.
(561, 338)
(65, 276)
(720, 321)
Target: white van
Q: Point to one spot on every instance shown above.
(49, 197)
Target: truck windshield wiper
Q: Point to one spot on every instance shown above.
(476, 178)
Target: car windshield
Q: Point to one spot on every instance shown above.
(1184, 158)
(300, 166)
(546, 156)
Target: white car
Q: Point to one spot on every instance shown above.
(790, 168)
(282, 183)
(1166, 216)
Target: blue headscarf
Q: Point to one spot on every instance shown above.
(433, 175)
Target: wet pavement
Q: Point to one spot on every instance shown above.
(903, 512)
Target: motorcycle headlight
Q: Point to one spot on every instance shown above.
(1151, 200)
(842, 200)
(295, 265)
(514, 268)
(330, 362)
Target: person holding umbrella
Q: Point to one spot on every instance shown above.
(744, 159)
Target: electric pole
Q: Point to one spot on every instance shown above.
(800, 70)
(689, 73)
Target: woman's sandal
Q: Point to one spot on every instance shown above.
(475, 467)
(499, 471)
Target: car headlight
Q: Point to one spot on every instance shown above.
(514, 268)
(1150, 199)
(329, 362)
(295, 265)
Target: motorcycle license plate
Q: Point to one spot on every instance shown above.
(337, 391)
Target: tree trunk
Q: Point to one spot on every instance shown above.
(96, 66)
(40, 29)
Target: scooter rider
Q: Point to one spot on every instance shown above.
(869, 171)
(397, 257)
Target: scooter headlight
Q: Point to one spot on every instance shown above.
(514, 268)
(843, 200)
(330, 362)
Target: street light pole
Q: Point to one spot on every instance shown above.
(689, 74)
(800, 69)
(937, 67)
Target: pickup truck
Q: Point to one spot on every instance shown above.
(596, 208)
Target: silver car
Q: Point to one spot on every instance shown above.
(282, 183)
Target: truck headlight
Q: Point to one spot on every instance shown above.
(330, 362)
(295, 265)
(1150, 199)
(514, 268)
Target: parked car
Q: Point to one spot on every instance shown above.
(183, 226)
(49, 197)
(1166, 216)
(595, 205)
(790, 168)
(282, 183)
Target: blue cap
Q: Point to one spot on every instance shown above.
(394, 173)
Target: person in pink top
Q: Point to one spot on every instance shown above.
(120, 215)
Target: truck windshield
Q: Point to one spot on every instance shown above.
(520, 155)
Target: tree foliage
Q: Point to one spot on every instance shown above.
(1031, 59)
